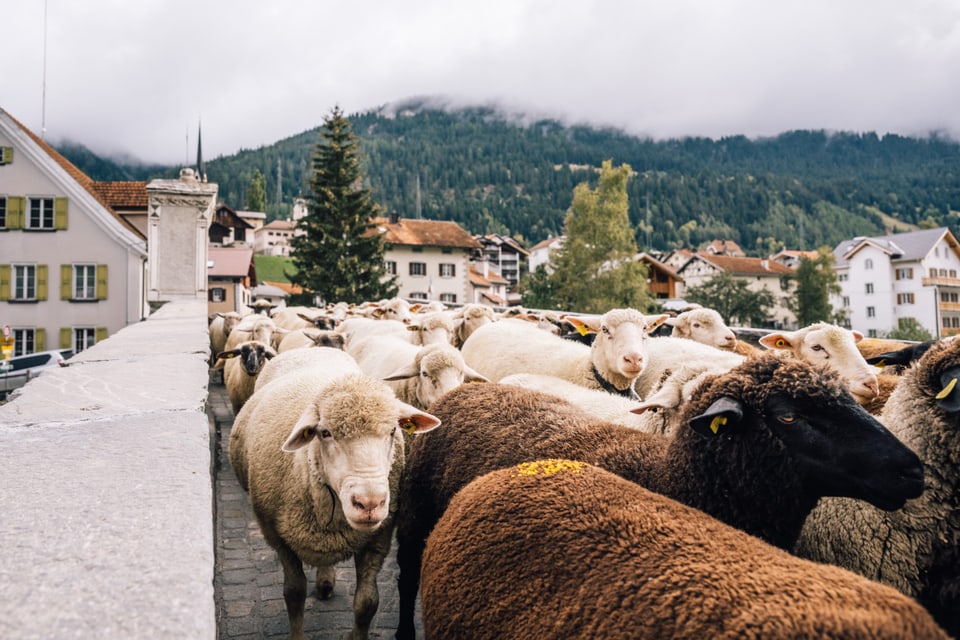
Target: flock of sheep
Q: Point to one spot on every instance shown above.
(567, 476)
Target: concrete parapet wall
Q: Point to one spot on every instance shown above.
(106, 521)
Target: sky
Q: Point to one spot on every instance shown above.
(139, 78)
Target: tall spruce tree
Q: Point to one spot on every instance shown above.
(257, 192)
(595, 270)
(816, 282)
(339, 257)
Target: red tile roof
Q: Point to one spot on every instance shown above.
(232, 262)
(426, 233)
(747, 266)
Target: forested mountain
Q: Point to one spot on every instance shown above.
(802, 189)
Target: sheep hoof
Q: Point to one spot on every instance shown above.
(326, 579)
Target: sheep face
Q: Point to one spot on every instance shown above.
(431, 329)
(834, 347)
(394, 309)
(704, 325)
(837, 447)
(253, 355)
(620, 344)
(437, 369)
(321, 321)
(353, 433)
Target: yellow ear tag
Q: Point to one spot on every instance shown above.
(409, 427)
(881, 364)
(717, 422)
(583, 329)
(947, 389)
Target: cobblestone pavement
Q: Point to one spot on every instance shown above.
(248, 582)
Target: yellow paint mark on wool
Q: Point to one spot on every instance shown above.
(947, 389)
(548, 467)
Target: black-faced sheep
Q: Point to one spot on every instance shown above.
(615, 359)
(321, 453)
(755, 447)
(558, 549)
(917, 548)
(243, 364)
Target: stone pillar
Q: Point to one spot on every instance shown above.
(180, 212)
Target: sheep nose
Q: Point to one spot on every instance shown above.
(367, 504)
(730, 339)
(872, 386)
(633, 361)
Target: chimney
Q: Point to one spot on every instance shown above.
(394, 217)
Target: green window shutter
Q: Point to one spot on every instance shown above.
(101, 333)
(66, 281)
(7, 154)
(42, 281)
(101, 282)
(60, 213)
(5, 272)
(16, 205)
(66, 338)
(40, 340)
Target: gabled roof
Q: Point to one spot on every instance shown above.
(123, 195)
(102, 194)
(549, 242)
(742, 266)
(280, 225)
(657, 265)
(229, 217)
(231, 262)
(425, 233)
(901, 247)
(725, 248)
(494, 238)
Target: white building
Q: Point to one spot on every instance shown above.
(431, 258)
(886, 280)
(540, 253)
(274, 238)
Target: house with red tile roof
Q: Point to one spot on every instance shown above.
(431, 258)
(231, 275)
(758, 273)
(73, 251)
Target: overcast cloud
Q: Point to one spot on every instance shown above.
(136, 77)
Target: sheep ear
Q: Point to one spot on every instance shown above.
(471, 375)
(226, 355)
(582, 327)
(303, 432)
(720, 418)
(403, 373)
(655, 321)
(949, 396)
(412, 420)
(777, 341)
(857, 336)
(413, 327)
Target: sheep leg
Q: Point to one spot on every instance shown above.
(294, 589)
(409, 553)
(326, 581)
(367, 598)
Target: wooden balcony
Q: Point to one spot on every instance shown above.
(940, 281)
(947, 332)
(949, 306)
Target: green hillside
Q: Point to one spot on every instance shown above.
(802, 189)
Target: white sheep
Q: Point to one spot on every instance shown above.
(305, 338)
(243, 364)
(393, 309)
(361, 327)
(418, 375)
(468, 319)
(293, 318)
(320, 452)
(431, 328)
(681, 360)
(611, 363)
(219, 330)
(703, 325)
(916, 548)
(833, 346)
(295, 359)
(253, 327)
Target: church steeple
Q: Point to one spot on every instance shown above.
(201, 170)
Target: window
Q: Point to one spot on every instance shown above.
(904, 273)
(391, 266)
(871, 333)
(6, 155)
(418, 268)
(904, 298)
(946, 322)
(871, 312)
(869, 287)
(218, 294)
(448, 270)
(933, 273)
(3, 212)
(418, 295)
(416, 249)
(83, 337)
(943, 273)
(84, 281)
(448, 297)
(41, 213)
(846, 301)
(868, 263)
(24, 341)
(953, 273)
(24, 282)
(843, 277)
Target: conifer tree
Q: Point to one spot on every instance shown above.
(257, 192)
(339, 257)
(595, 270)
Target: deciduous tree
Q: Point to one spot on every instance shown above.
(816, 282)
(733, 300)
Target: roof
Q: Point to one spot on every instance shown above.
(123, 195)
(285, 286)
(543, 244)
(659, 266)
(494, 298)
(281, 225)
(494, 238)
(230, 262)
(744, 266)
(253, 215)
(426, 233)
(264, 289)
(901, 247)
(81, 178)
(725, 248)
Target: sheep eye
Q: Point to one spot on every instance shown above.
(787, 419)
(324, 433)
(605, 329)
(817, 347)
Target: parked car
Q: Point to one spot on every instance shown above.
(16, 372)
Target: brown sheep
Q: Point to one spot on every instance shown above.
(755, 447)
(557, 549)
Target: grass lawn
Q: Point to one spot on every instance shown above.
(273, 268)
